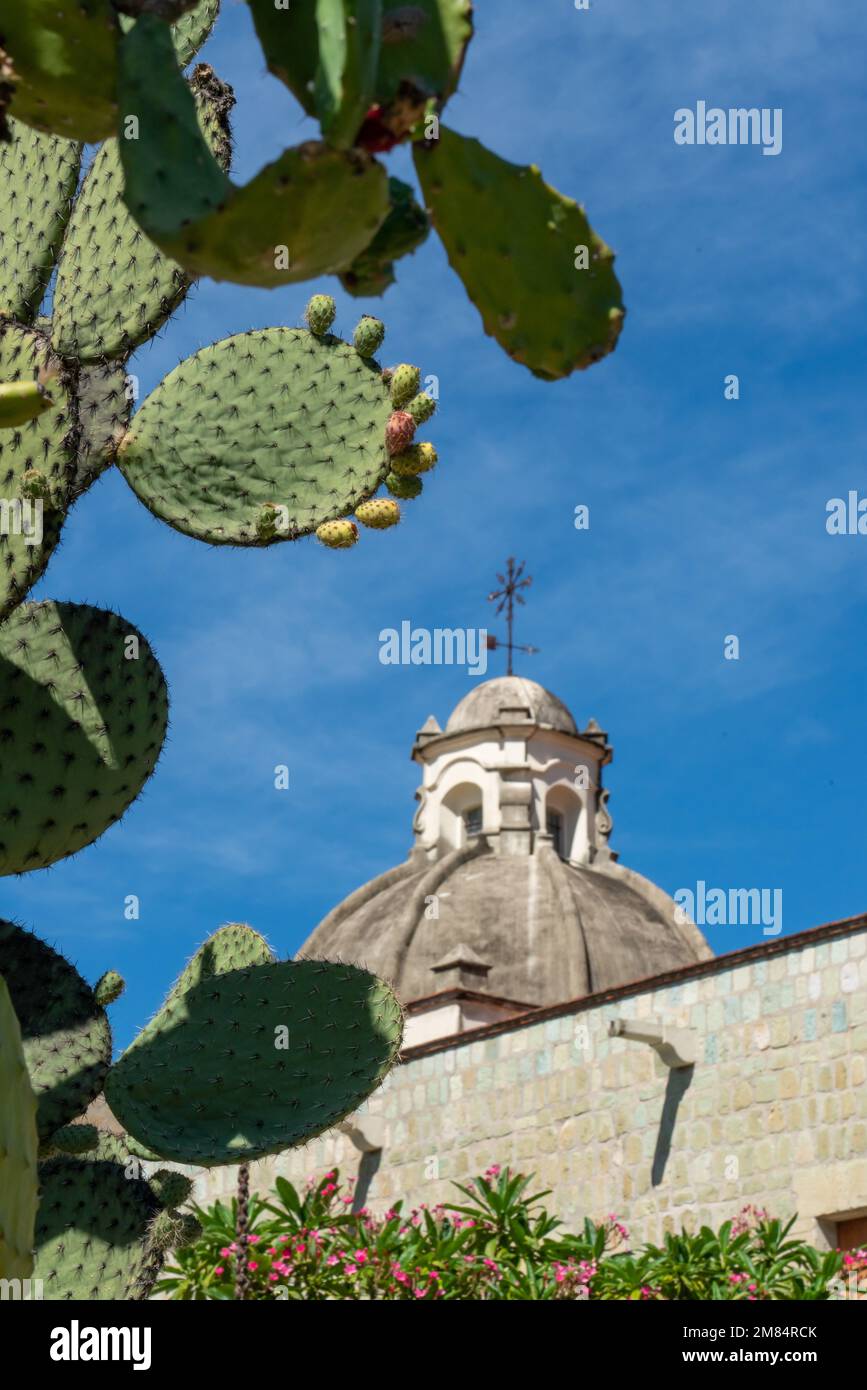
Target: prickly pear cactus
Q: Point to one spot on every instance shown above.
(404, 230)
(266, 436)
(285, 1050)
(84, 715)
(18, 1149)
(66, 1036)
(102, 1229)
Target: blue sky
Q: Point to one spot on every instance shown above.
(707, 515)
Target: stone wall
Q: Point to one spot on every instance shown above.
(774, 1112)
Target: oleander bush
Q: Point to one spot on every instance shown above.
(496, 1241)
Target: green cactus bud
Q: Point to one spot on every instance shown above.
(421, 407)
(338, 535)
(379, 513)
(406, 486)
(108, 987)
(18, 1149)
(418, 458)
(170, 1189)
(404, 384)
(21, 402)
(369, 335)
(320, 313)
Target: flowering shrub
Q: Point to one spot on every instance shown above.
(499, 1242)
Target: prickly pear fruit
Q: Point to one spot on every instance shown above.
(21, 402)
(421, 407)
(320, 313)
(406, 485)
(108, 987)
(379, 513)
(399, 432)
(405, 382)
(418, 458)
(338, 535)
(368, 336)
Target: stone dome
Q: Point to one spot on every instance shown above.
(511, 891)
(547, 930)
(509, 698)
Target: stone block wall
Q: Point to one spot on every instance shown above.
(773, 1113)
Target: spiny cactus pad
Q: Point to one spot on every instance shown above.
(255, 1061)
(65, 54)
(309, 213)
(47, 443)
(235, 946)
(345, 82)
(114, 289)
(83, 713)
(18, 1149)
(67, 1040)
(402, 232)
(190, 31)
(520, 270)
(423, 47)
(97, 1229)
(38, 176)
(276, 416)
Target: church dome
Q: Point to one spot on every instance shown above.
(509, 698)
(511, 895)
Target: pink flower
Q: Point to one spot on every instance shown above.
(493, 1171)
(252, 1264)
(490, 1264)
(273, 1278)
(419, 1293)
(220, 1269)
(332, 1260)
(350, 1269)
(361, 1256)
(329, 1187)
(228, 1250)
(253, 1240)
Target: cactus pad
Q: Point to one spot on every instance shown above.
(47, 443)
(520, 271)
(18, 1149)
(82, 723)
(65, 54)
(421, 57)
(402, 232)
(255, 1061)
(98, 1229)
(349, 39)
(309, 213)
(114, 289)
(277, 416)
(67, 1040)
(234, 946)
(38, 175)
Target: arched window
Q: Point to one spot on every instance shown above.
(461, 815)
(562, 817)
(554, 826)
(473, 821)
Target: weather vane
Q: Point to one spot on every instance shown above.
(509, 595)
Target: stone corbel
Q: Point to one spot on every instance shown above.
(676, 1047)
